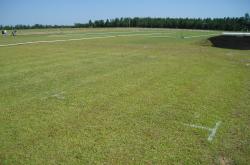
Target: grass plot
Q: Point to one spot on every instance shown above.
(127, 99)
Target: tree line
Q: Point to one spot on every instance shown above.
(227, 23)
(36, 26)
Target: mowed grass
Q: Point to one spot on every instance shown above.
(123, 100)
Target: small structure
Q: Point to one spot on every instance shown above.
(232, 40)
(236, 34)
(4, 33)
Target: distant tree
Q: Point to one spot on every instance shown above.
(230, 24)
(90, 24)
(107, 23)
(247, 17)
(76, 25)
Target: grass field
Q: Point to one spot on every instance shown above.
(123, 96)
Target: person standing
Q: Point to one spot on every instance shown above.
(13, 33)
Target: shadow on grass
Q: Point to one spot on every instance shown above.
(231, 42)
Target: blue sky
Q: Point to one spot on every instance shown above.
(68, 12)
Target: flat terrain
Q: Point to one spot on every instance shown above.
(122, 96)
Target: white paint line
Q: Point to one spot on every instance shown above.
(197, 126)
(53, 41)
(78, 39)
(59, 95)
(102, 33)
(128, 35)
(200, 36)
(162, 37)
(212, 131)
(123, 33)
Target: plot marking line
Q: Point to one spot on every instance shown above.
(52, 41)
(57, 95)
(101, 37)
(148, 34)
(200, 36)
(162, 37)
(78, 39)
(212, 131)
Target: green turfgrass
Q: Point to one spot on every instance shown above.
(122, 100)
